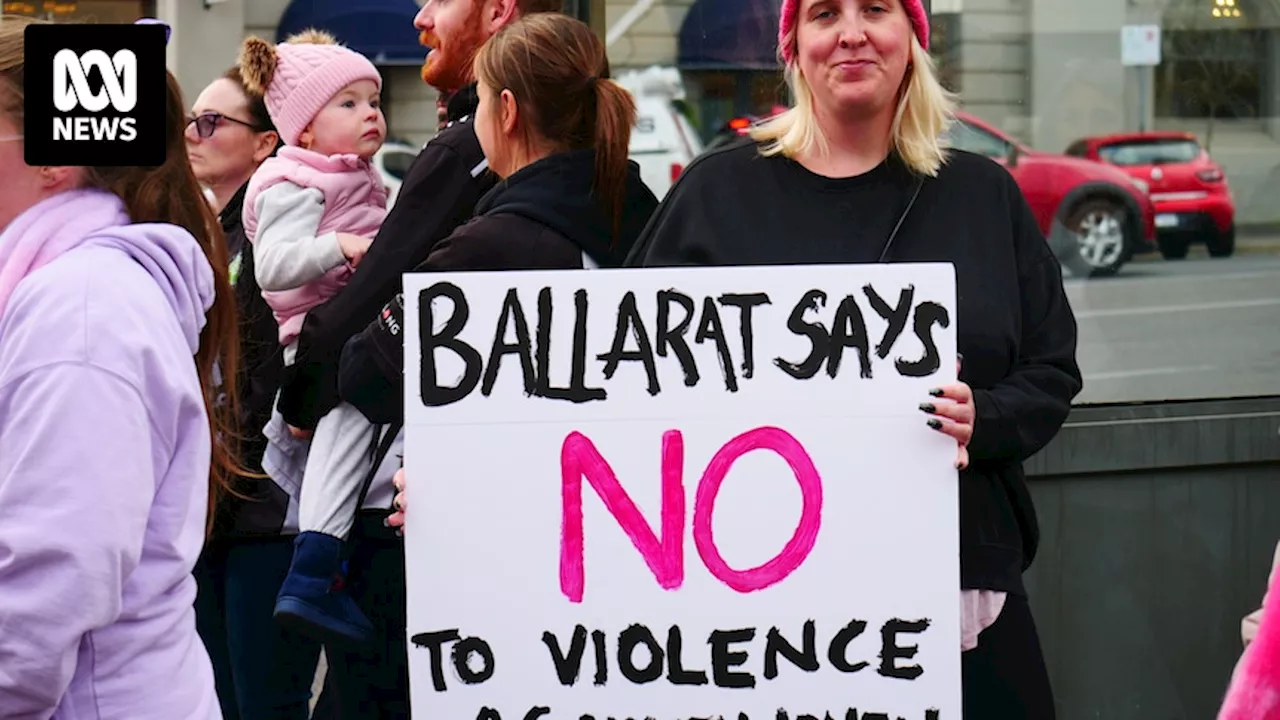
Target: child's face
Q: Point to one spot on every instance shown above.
(351, 123)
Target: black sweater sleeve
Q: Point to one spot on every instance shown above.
(1021, 413)
(371, 373)
(439, 193)
(372, 370)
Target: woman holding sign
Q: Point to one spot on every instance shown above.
(856, 173)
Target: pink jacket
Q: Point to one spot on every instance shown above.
(1254, 692)
(355, 201)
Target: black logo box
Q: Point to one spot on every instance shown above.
(147, 42)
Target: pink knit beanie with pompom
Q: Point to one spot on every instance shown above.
(298, 77)
(791, 9)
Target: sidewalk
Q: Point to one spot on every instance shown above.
(1258, 243)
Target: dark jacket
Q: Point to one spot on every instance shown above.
(262, 510)
(1015, 327)
(439, 193)
(543, 217)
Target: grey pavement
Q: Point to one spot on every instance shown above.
(1196, 328)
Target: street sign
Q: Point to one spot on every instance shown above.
(1140, 45)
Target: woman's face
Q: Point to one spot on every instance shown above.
(494, 128)
(21, 185)
(853, 54)
(234, 151)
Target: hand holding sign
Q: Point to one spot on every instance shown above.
(401, 501)
(953, 417)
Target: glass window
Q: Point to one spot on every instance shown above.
(1149, 151)
(1181, 158)
(965, 136)
(96, 11)
(397, 159)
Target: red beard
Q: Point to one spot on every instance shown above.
(449, 64)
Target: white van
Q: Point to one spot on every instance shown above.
(392, 162)
(663, 142)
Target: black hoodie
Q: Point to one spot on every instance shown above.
(258, 506)
(543, 217)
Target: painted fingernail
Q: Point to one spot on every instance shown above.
(928, 407)
(935, 423)
(936, 392)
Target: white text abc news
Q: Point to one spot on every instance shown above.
(71, 90)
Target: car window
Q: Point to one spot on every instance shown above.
(964, 136)
(397, 162)
(1150, 152)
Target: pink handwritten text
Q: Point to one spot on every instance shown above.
(579, 458)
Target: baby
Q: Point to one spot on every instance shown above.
(310, 212)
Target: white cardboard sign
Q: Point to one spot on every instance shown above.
(682, 493)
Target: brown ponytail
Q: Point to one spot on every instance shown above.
(170, 194)
(558, 72)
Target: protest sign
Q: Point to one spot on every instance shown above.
(682, 493)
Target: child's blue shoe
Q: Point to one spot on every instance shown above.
(313, 600)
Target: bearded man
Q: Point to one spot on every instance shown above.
(438, 194)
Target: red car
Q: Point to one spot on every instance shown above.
(1190, 192)
(1094, 216)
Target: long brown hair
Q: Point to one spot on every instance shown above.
(558, 72)
(168, 194)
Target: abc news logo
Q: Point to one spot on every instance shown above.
(95, 95)
(71, 91)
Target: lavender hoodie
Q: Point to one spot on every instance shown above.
(104, 462)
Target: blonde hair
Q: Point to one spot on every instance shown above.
(925, 111)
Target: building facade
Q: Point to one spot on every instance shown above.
(1046, 71)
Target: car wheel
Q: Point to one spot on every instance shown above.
(1174, 246)
(1099, 227)
(1222, 245)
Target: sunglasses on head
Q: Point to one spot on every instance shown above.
(207, 123)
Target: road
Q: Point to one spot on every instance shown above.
(1198, 328)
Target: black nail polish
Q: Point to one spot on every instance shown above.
(928, 407)
(936, 392)
(935, 423)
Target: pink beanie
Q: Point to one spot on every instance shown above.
(301, 77)
(791, 8)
